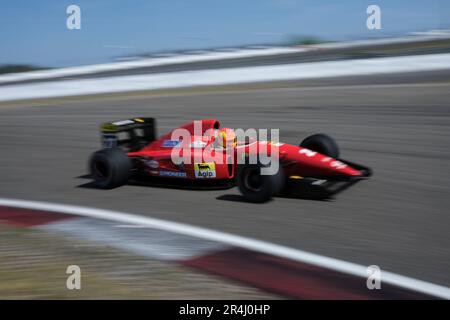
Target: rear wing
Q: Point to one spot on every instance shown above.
(131, 134)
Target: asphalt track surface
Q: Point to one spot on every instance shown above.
(398, 220)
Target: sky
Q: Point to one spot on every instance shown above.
(35, 32)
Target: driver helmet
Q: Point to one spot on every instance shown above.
(226, 138)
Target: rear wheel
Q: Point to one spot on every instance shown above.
(256, 187)
(321, 143)
(110, 168)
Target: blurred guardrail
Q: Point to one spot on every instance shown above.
(423, 43)
(183, 79)
(417, 53)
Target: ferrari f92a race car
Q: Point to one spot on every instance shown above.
(201, 151)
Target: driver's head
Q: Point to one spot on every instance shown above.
(226, 138)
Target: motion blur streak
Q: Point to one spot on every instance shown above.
(233, 240)
(299, 71)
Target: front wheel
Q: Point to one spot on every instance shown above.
(323, 144)
(110, 168)
(256, 187)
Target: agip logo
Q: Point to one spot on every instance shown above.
(205, 170)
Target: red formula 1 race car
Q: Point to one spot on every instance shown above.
(202, 152)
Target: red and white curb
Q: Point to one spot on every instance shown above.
(286, 271)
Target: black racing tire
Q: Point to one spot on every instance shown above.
(259, 188)
(323, 144)
(110, 168)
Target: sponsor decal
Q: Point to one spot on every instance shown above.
(123, 122)
(198, 144)
(177, 174)
(153, 164)
(307, 152)
(170, 143)
(205, 170)
(338, 165)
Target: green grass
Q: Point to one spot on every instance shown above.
(15, 68)
(303, 40)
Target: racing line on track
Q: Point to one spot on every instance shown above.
(282, 270)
